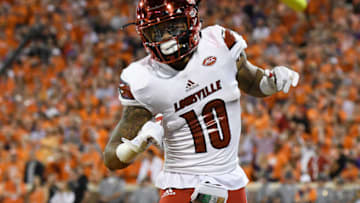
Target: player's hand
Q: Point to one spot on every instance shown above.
(154, 131)
(282, 78)
(151, 132)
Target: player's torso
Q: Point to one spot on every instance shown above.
(201, 111)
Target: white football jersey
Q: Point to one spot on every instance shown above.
(200, 104)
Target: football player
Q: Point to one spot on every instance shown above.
(192, 77)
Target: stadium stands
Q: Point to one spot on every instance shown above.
(58, 101)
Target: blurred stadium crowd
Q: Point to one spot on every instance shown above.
(59, 101)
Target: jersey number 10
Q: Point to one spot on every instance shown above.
(212, 123)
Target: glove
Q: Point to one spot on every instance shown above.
(278, 79)
(151, 132)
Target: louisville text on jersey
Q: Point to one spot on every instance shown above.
(198, 96)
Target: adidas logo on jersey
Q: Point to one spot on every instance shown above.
(198, 95)
(190, 85)
(168, 192)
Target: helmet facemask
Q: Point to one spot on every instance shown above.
(171, 35)
(168, 39)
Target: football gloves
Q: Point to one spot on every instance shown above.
(278, 79)
(150, 133)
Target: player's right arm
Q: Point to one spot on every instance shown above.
(132, 120)
(136, 129)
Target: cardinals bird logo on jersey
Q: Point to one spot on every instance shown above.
(211, 60)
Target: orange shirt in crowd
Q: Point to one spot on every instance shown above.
(79, 106)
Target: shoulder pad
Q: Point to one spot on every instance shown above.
(226, 37)
(130, 84)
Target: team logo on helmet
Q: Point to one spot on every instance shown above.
(191, 1)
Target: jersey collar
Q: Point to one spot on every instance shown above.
(163, 70)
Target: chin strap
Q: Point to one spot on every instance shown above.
(123, 27)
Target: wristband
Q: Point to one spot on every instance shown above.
(126, 152)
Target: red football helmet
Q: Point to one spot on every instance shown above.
(169, 29)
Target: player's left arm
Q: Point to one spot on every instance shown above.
(261, 83)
